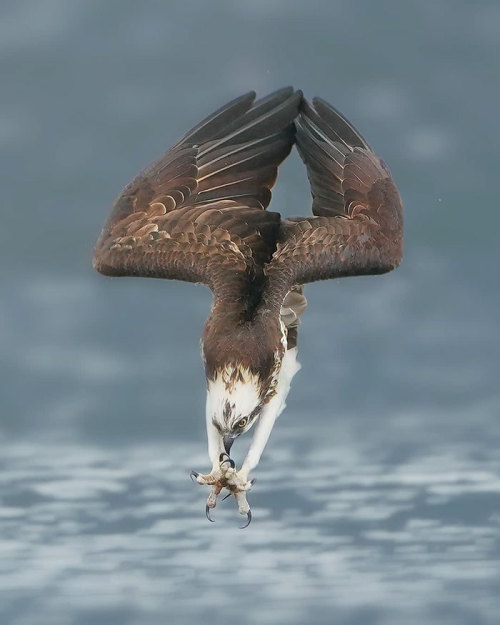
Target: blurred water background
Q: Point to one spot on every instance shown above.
(378, 497)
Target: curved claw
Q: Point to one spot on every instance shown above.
(226, 496)
(207, 513)
(226, 458)
(249, 519)
(193, 475)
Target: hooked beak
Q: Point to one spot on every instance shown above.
(228, 443)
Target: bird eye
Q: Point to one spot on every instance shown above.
(242, 422)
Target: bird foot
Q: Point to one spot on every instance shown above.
(226, 476)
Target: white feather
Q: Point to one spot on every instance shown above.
(243, 395)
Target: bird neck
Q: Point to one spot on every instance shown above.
(229, 341)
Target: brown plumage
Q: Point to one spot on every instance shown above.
(198, 214)
(357, 227)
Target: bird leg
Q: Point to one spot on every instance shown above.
(218, 472)
(238, 485)
(237, 482)
(224, 475)
(214, 480)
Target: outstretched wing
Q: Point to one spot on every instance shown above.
(357, 227)
(197, 213)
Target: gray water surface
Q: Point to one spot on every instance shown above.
(378, 497)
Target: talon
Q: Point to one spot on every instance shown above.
(194, 475)
(226, 496)
(249, 519)
(207, 513)
(223, 458)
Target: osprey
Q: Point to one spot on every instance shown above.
(198, 214)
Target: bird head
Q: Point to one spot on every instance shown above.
(234, 401)
(236, 426)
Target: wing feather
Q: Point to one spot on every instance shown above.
(357, 224)
(197, 213)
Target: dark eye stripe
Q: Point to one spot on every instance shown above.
(254, 412)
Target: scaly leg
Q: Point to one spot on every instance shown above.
(238, 483)
(214, 478)
(222, 475)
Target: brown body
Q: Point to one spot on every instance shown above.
(198, 214)
(254, 344)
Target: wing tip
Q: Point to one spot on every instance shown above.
(322, 111)
(283, 97)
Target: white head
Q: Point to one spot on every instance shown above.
(235, 397)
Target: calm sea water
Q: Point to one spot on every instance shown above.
(378, 497)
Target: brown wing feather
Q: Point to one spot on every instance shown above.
(357, 227)
(197, 213)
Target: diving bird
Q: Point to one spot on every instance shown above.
(198, 214)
